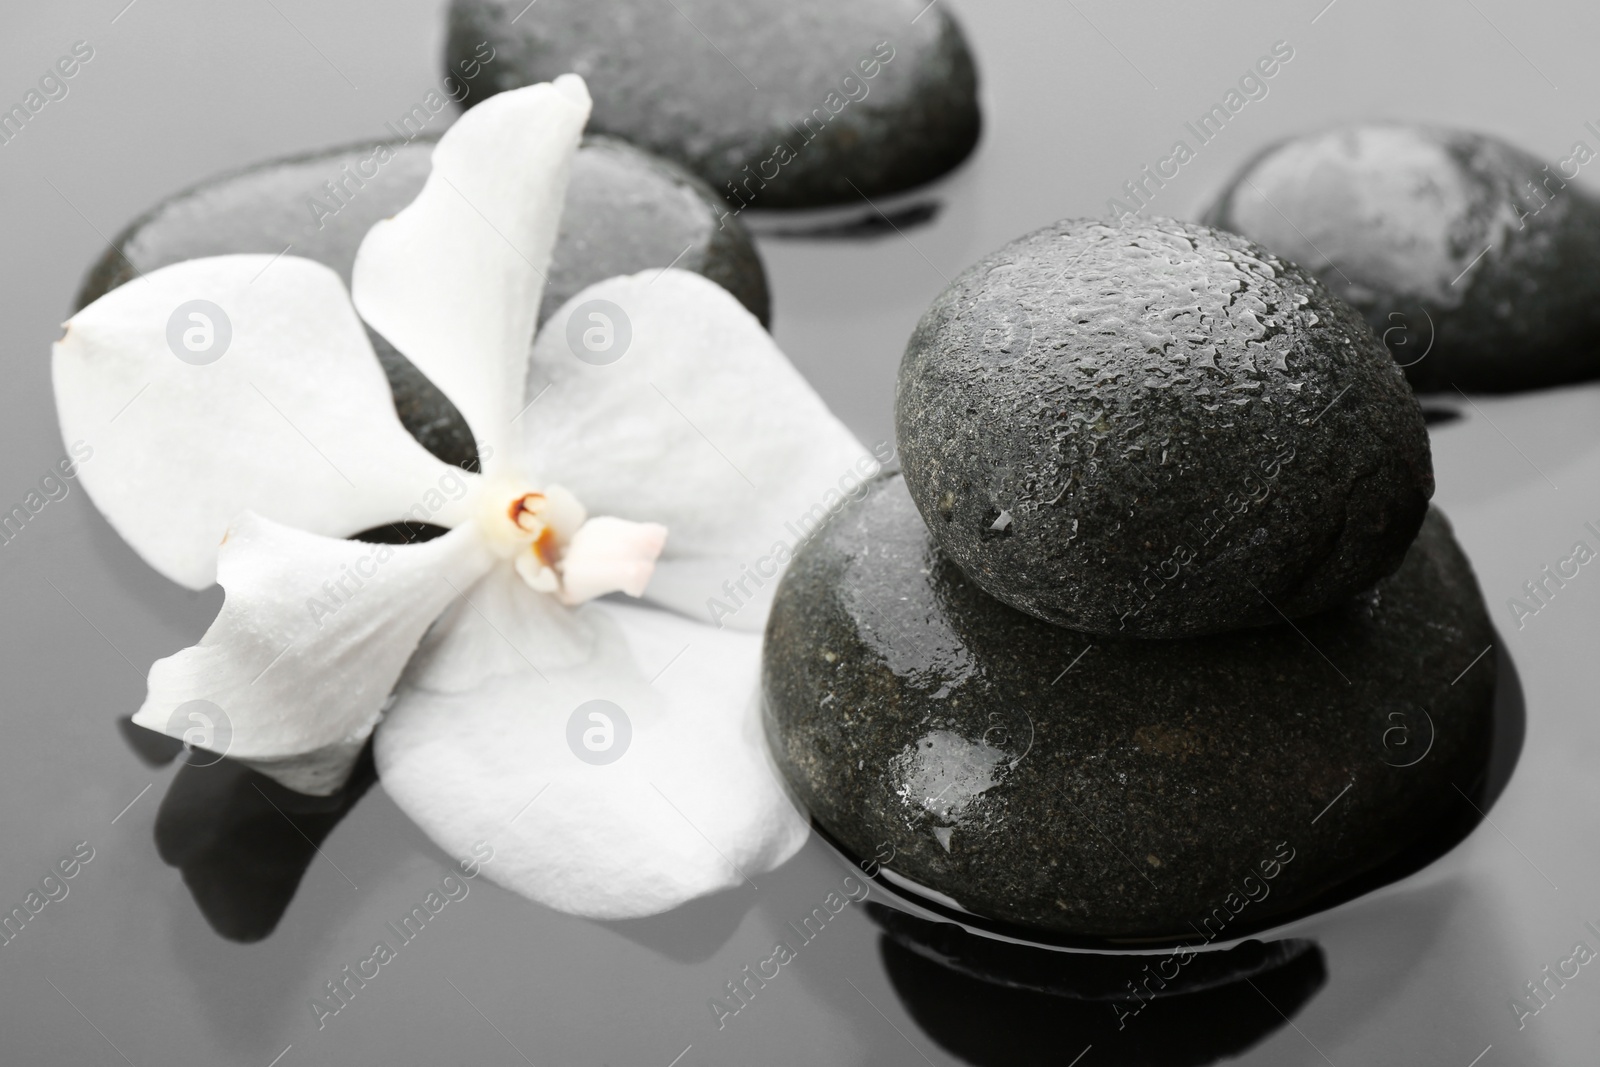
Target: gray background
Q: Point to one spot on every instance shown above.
(1078, 96)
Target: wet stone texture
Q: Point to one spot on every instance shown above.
(775, 103)
(1117, 788)
(626, 211)
(1394, 219)
(1158, 430)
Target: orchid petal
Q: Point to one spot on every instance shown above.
(692, 805)
(498, 627)
(293, 418)
(701, 425)
(306, 650)
(610, 555)
(454, 280)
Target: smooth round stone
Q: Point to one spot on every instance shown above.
(1118, 789)
(775, 103)
(1158, 430)
(1394, 219)
(626, 211)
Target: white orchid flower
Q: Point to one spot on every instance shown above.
(472, 654)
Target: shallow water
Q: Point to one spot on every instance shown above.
(1078, 97)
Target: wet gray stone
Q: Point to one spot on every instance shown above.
(1393, 219)
(1158, 430)
(1118, 788)
(626, 211)
(770, 101)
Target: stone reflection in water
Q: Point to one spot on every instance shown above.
(1129, 980)
(243, 842)
(992, 1025)
(866, 224)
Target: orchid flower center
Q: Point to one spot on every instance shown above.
(531, 527)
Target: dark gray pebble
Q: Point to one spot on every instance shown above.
(1111, 788)
(626, 211)
(1475, 261)
(1158, 430)
(775, 103)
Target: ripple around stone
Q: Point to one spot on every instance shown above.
(775, 103)
(1094, 976)
(1158, 430)
(1476, 262)
(1106, 789)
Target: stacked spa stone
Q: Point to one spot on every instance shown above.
(1156, 632)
